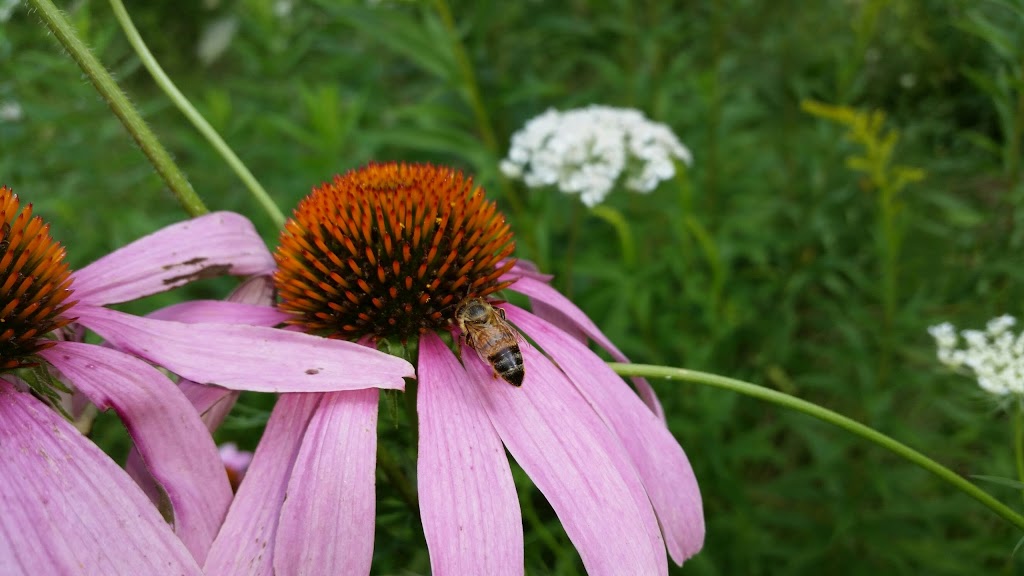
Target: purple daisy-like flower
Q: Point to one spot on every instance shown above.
(389, 252)
(68, 508)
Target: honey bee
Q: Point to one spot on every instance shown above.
(485, 330)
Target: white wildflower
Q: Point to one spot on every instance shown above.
(7, 9)
(587, 150)
(10, 111)
(995, 355)
(215, 39)
(283, 8)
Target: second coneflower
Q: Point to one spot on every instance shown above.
(68, 507)
(395, 251)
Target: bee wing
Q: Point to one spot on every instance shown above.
(511, 332)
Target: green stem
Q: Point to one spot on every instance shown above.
(476, 102)
(794, 403)
(194, 116)
(122, 108)
(570, 247)
(889, 250)
(1018, 443)
(471, 89)
(622, 230)
(537, 526)
(389, 465)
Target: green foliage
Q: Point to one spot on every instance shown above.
(763, 261)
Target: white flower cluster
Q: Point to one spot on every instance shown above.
(585, 151)
(10, 111)
(995, 355)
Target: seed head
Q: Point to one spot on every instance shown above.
(388, 250)
(34, 284)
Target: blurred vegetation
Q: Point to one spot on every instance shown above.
(770, 260)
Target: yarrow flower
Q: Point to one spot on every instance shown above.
(995, 355)
(587, 150)
(390, 251)
(68, 508)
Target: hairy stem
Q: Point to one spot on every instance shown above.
(193, 115)
(122, 108)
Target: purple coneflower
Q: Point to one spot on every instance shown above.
(388, 252)
(68, 508)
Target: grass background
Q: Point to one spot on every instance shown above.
(763, 263)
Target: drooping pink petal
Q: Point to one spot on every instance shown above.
(245, 544)
(248, 357)
(211, 245)
(660, 460)
(221, 312)
(577, 463)
(68, 508)
(255, 290)
(249, 303)
(212, 403)
(173, 442)
(468, 503)
(328, 518)
(526, 268)
(555, 316)
(540, 291)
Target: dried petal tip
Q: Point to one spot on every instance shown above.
(34, 283)
(388, 250)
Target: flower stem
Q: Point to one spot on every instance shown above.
(193, 115)
(622, 230)
(537, 526)
(122, 108)
(1018, 443)
(389, 465)
(821, 413)
(471, 91)
(570, 248)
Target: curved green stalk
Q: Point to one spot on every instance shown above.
(836, 419)
(122, 108)
(194, 116)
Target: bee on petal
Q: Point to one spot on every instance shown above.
(485, 330)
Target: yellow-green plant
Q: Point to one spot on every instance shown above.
(866, 129)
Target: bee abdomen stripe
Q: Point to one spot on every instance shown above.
(509, 364)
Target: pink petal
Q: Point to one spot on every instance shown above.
(251, 302)
(173, 442)
(328, 518)
(541, 291)
(255, 290)
(245, 544)
(211, 245)
(468, 502)
(212, 403)
(248, 357)
(221, 312)
(526, 268)
(660, 460)
(577, 463)
(555, 316)
(235, 459)
(68, 508)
